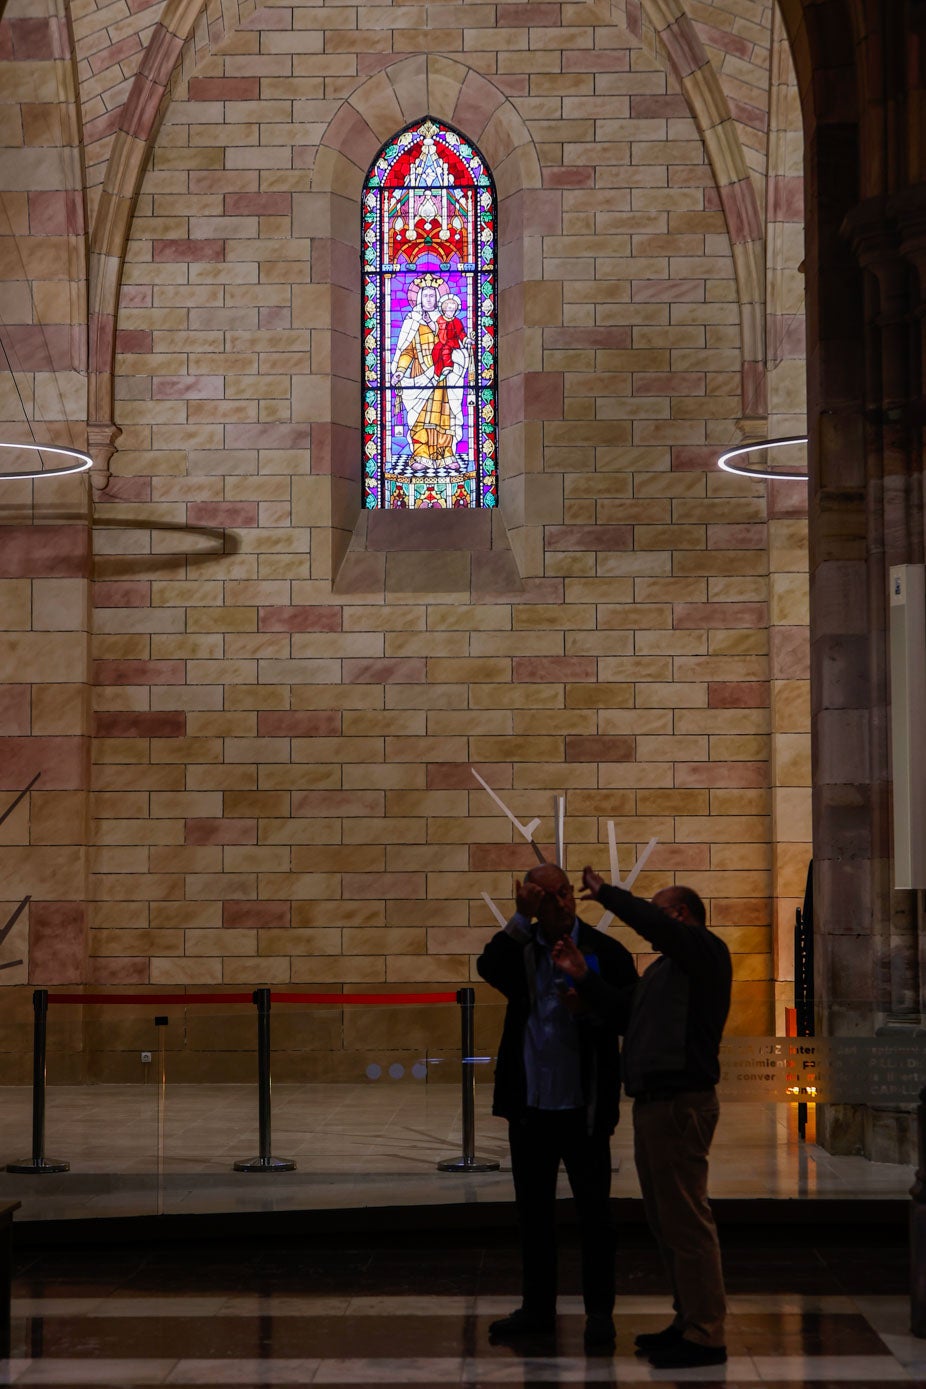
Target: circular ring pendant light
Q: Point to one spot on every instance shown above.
(82, 462)
(763, 445)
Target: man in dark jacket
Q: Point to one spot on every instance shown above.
(557, 1082)
(671, 1068)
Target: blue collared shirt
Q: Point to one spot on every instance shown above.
(552, 1060)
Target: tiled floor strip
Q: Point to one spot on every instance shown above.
(785, 1339)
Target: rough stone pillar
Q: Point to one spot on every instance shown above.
(844, 715)
(861, 73)
(894, 536)
(882, 969)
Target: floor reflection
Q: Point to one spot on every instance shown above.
(367, 1144)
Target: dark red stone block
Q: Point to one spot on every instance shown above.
(266, 914)
(140, 724)
(602, 748)
(61, 760)
(57, 942)
(304, 619)
(742, 694)
(205, 831)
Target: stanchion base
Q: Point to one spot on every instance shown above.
(462, 1164)
(39, 1165)
(270, 1164)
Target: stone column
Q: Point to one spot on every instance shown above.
(870, 978)
(846, 878)
(909, 210)
(894, 536)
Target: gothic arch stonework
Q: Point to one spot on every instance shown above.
(479, 550)
(689, 63)
(185, 32)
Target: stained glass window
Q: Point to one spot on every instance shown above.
(429, 324)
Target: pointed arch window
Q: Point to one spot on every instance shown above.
(430, 436)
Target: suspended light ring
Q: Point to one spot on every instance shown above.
(83, 463)
(785, 474)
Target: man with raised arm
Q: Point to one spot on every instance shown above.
(671, 1068)
(556, 1082)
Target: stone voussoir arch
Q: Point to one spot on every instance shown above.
(174, 35)
(414, 87)
(690, 65)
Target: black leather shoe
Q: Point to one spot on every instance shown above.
(665, 1339)
(521, 1323)
(599, 1331)
(687, 1355)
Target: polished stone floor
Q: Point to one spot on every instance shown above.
(133, 1152)
(818, 1292)
(808, 1306)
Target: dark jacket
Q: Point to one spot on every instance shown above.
(680, 1005)
(508, 964)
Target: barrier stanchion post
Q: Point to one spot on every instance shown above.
(918, 1228)
(264, 1162)
(468, 1162)
(39, 1162)
(160, 1023)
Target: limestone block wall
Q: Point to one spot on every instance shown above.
(288, 694)
(44, 531)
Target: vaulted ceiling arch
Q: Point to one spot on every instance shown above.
(186, 33)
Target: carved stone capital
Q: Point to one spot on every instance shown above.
(101, 445)
(872, 232)
(908, 208)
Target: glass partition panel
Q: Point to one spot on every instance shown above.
(84, 1142)
(370, 1095)
(366, 1100)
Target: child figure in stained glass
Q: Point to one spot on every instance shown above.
(448, 353)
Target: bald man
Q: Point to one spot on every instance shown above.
(557, 1083)
(671, 1069)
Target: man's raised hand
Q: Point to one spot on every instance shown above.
(569, 958)
(592, 884)
(527, 898)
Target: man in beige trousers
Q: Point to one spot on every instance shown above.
(670, 1069)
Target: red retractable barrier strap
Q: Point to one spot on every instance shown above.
(336, 999)
(364, 998)
(150, 998)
